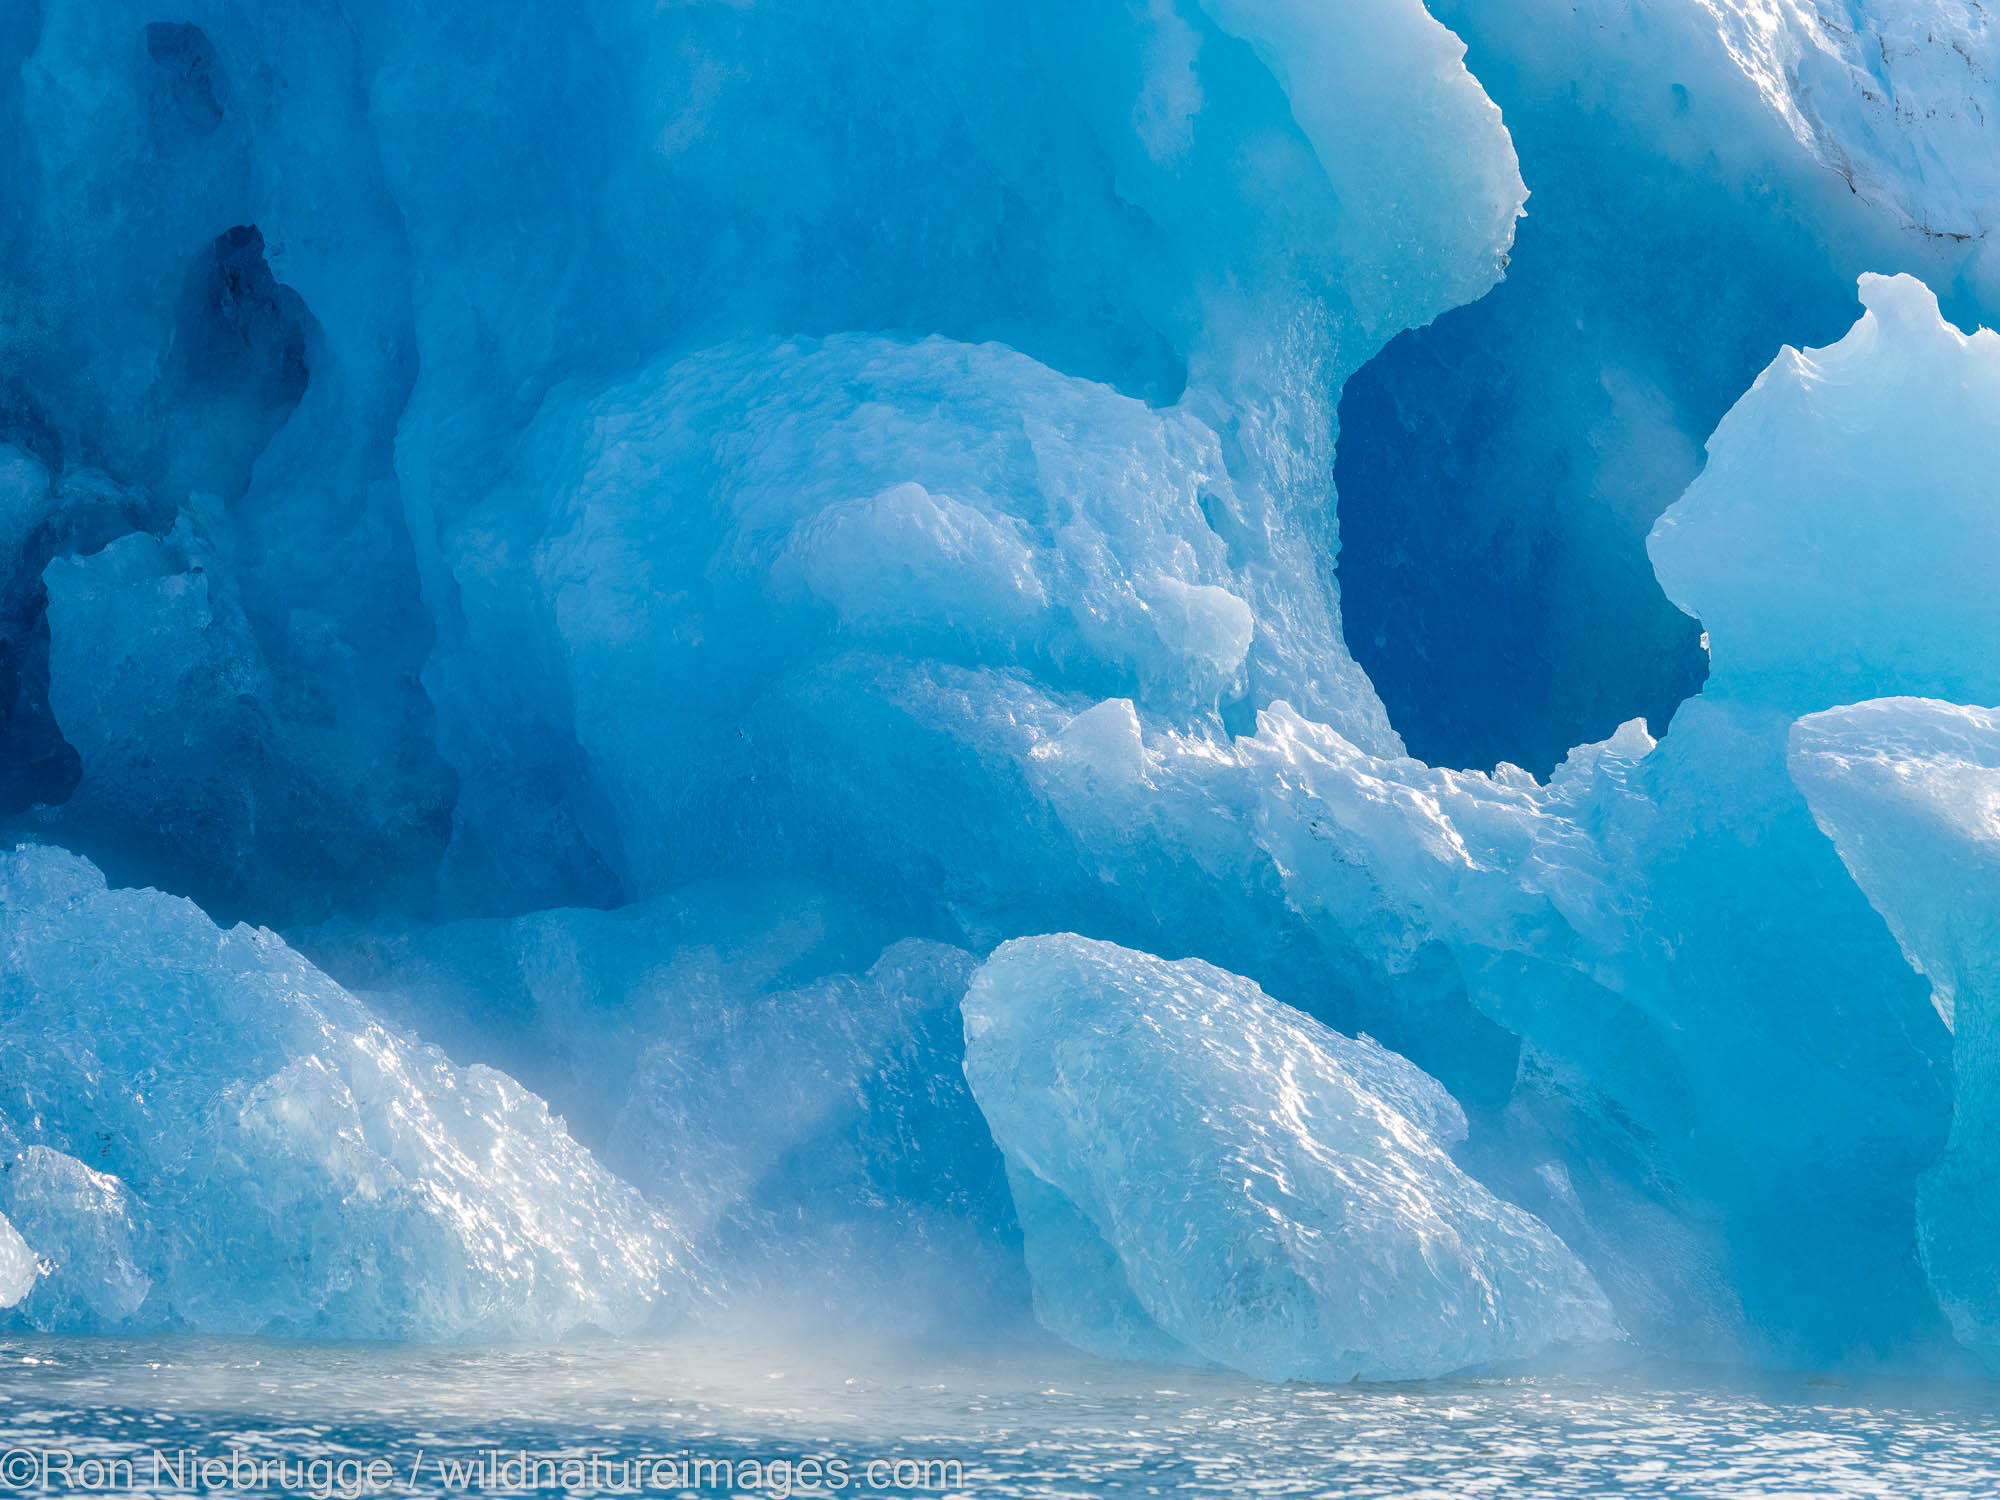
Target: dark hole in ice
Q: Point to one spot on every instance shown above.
(239, 366)
(238, 328)
(195, 84)
(1499, 470)
(36, 763)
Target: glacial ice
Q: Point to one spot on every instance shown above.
(1908, 789)
(205, 1132)
(1261, 1191)
(1620, 922)
(88, 1230)
(648, 546)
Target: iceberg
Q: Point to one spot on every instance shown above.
(207, 1133)
(88, 1232)
(648, 552)
(1244, 1184)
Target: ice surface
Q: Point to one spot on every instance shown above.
(815, 1138)
(649, 543)
(18, 1265)
(89, 1233)
(218, 1137)
(1243, 1179)
(1897, 103)
(1909, 791)
(332, 376)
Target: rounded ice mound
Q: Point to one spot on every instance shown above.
(203, 1131)
(1908, 789)
(1201, 1171)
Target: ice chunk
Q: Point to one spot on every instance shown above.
(1248, 1176)
(18, 1265)
(1909, 791)
(219, 1137)
(1836, 546)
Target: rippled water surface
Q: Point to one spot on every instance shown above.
(712, 1419)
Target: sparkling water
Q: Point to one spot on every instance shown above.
(687, 1419)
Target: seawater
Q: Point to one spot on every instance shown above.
(706, 1419)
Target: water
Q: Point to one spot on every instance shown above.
(606, 1418)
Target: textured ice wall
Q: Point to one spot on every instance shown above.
(204, 1132)
(1203, 1174)
(725, 463)
(1909, 791)
(306, 370)
(611, 663)
(1728, 1081)
(1894, 97)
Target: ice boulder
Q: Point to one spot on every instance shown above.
(1908, 789)
(18, 1266)
(1201, 1171)
(205, 1132)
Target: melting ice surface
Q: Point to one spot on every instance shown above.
(686, 670)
